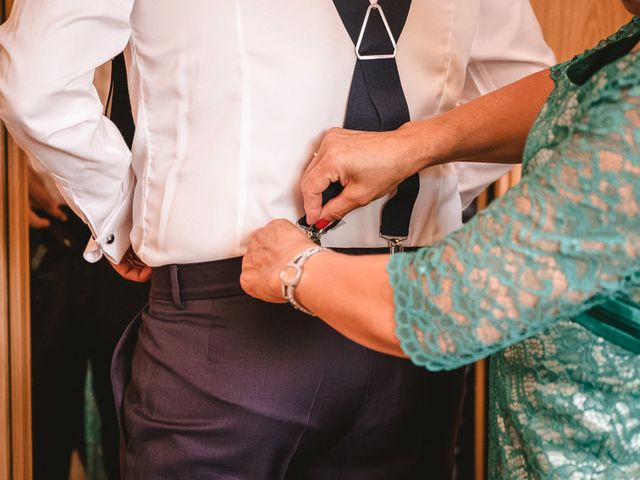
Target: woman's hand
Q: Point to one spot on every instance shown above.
(367, 164)
(270, 249)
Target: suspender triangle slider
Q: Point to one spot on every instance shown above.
(374, 6)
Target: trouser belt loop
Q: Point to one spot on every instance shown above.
(175, 287)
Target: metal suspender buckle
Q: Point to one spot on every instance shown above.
(396, 244)
(313, 232)
(374, 6)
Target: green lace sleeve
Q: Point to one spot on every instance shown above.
(564, 239)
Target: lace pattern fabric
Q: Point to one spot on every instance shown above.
(565, 403)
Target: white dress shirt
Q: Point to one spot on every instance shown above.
(102, 82)
(230, 100)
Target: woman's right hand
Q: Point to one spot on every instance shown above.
(367, 164)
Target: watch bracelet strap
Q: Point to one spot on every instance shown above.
(288, 289)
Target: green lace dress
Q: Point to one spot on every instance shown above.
(517, 280)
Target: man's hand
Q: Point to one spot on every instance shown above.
(270, 249)
(39, 198)
(367, 164)
(132, 268)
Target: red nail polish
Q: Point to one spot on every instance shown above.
(322, 223)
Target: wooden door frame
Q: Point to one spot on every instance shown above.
(5, 405)
(15, 344)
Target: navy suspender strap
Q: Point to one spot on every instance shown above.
(376, 99)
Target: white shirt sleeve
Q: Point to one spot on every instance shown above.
(508, 46)
(49, 50)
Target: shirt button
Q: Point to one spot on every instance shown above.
(110, 239)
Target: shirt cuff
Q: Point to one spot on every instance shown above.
(114, 239)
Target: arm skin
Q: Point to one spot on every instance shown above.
(492, 128)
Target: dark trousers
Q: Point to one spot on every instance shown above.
(213, 384)
(78, 312)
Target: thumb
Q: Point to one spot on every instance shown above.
(35, 221)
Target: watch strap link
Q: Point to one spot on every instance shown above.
(289, 283)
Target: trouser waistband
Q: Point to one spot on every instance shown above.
(215, 279)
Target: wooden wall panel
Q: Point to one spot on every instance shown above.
(572, 26)
(19, 313)
(5, 405)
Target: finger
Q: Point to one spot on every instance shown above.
(254, 242)
(136, 263)
(56, 212)
(132, 259)
(313, 162)
(37, 222)
(245, 282)
(325, 147)
(312, 187)
(338, 207)
(140, 275)
(144, 274)
(134, 274)
(245, 262)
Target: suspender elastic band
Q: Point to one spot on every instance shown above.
(376, 101)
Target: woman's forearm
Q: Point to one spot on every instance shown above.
(353, 295)
(492, 128)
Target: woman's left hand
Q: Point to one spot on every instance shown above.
(270, 249)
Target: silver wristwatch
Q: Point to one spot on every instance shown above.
(292, 273)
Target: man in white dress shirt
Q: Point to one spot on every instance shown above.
(230, 100)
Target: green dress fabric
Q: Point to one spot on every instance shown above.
(513, 283)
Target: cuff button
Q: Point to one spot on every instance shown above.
(110, 239)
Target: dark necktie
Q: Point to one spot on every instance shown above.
(376, 99)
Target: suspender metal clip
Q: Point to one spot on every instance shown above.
(396, 244)
(313, 232)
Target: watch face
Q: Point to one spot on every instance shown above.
(288, 274)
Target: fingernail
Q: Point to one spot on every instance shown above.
(322, 223)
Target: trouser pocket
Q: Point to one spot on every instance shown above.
(121, 368)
